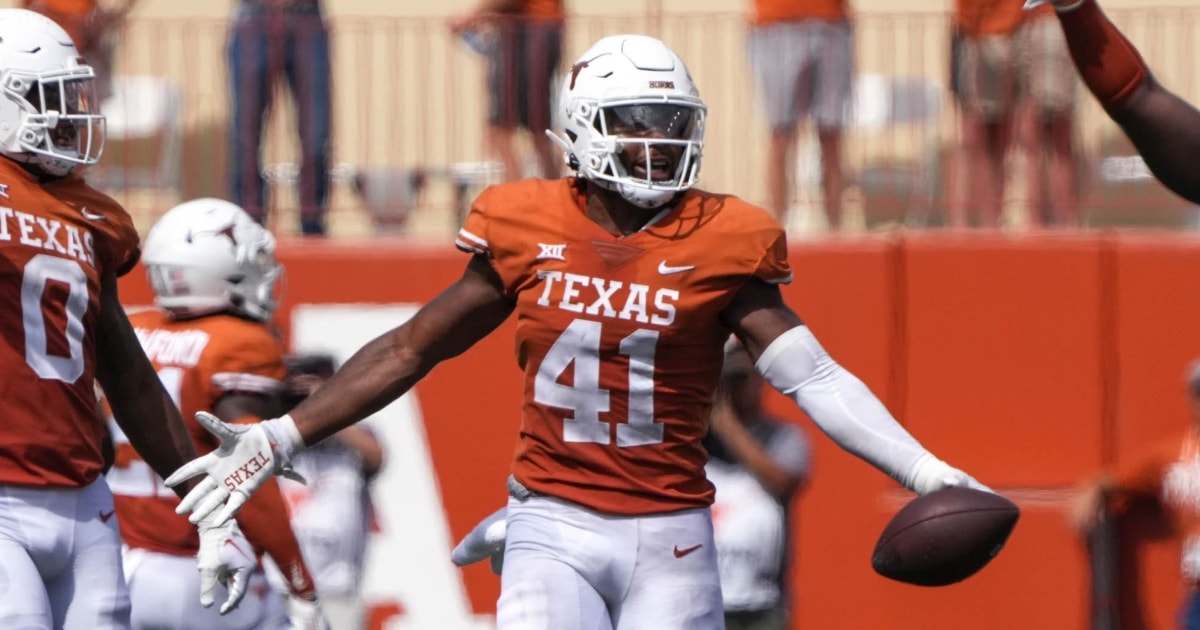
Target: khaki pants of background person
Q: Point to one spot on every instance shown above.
(996, 72)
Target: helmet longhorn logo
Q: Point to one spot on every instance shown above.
(575, 70)
(227, 231)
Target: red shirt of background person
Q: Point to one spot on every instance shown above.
(86, 21)
(767, 11)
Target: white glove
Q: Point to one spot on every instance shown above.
(225, 556)
(249, 455)
(931, 474)
(485, 540)
(305, 614)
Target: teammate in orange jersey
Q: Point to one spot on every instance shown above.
(213, 272)
(1164, 128)
(62, 247)
(626, 282)
(1166, 475)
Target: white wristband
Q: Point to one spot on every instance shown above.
(285, 438)
(930, 474)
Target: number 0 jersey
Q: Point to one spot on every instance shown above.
(57, 241)
(619, 337)
(198, 361)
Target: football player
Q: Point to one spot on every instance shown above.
(1164, 128)
(62, 246)
(212, 269)
(626, 281)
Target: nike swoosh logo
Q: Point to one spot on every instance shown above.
(666, 271)
(679, 553)
(104, 516)
(90, 216)
(236, 548)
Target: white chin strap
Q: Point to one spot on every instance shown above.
(645, 197)
(54, 166)
(640, 196)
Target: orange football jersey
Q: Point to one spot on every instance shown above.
(198, 361)
(57, 241)
(619, 338)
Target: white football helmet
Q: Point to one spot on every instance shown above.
(633, 85)
(206, 256)
(48, 114)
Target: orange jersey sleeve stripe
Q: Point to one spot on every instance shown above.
(243, 382)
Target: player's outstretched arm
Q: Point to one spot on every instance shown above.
(1164, 128)
(390, 365)
(142, 408)
(376, 375)
(793, 362)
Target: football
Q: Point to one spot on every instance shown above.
(944, 537)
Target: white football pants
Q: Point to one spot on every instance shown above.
(60, 560)
(165, 591)
(570, 568)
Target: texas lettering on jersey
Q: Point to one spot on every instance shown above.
(620, 338)
(596, 296)
(50, 235)
(53, 259)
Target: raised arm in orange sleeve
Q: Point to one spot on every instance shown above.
(1142, 477)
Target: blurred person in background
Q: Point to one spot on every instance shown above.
(759, 465)
(93, 26)
(1012, 77)
(213, 273)
(1166, 475)
(522, 41)
(802, 52)
(1046, 124)
(267, 39)
(1164, 128)
(331, 512)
